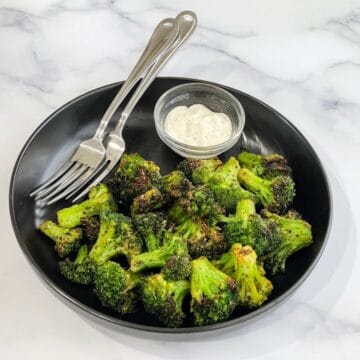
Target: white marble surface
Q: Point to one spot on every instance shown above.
(303, 58)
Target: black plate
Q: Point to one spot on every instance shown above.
(57, 137)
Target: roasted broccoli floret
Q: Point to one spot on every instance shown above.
(276, 194)
(196, 216)
(293, 214)
(204, 205)
(248, 228)
(150, 200)
(117, 236)
(79, 271)
(202, 239)
(115, 286)
(192, 241)
(134, 177)
(266, 166)
(225, 186)
(164, 299)
(199, 203)
(178, 212)
(151, 227)
(220, 178)
(66, 240)
(91, 227)
(240, 262)
(199, 171)
(213, 293)
(296, 234)
(173, 245)
(100, 198)
(177, 267)
(176, 185)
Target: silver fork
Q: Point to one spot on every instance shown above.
(116, 145)
(91, 152)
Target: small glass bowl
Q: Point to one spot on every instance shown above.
(214, 98)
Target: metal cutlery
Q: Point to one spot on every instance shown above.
(115, 144)
(91, 153)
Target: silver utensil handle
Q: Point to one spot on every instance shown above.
(187, 22)
(163, 35)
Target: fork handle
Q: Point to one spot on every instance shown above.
(163, 35)
(187, 22)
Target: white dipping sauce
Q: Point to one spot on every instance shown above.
(197, 125)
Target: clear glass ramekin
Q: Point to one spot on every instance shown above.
(214, 98)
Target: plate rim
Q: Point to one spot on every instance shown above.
(242, 320)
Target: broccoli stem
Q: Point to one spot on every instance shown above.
(100, 198)
(100, 252)
(81, 255)
(252, 181)
(181, 290)
(244, 209)
(208, 278)
(152, 242)
(66, 240)
(52, 230)
(149, 260)
(71, 216)
(261, 187)
(157, 258)
(133, 280)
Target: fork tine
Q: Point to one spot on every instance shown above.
(100, 177)
(68, 175)
(64, 184)
(93, 176)
(53, 178)
(75, 186)
(58, 182)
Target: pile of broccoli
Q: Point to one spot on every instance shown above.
(191, 245)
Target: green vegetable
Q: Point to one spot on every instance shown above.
(266, 166)
(248, 228)
(174, 245)
(79, 271)
(276, 194)
(176, 185)
(117, 236)
(137, 183)
(115, 287)
(177, 267)
(296, 234)
(202, 239)
(196, 215)
(189, 245)
(66, 240)
(241, 264)
(164, 299)
(151, 227)
(91, 227)
(150, 200)
(213, 293)
(100, 198)
(220, 178)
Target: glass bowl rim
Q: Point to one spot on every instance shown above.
(235, 103)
